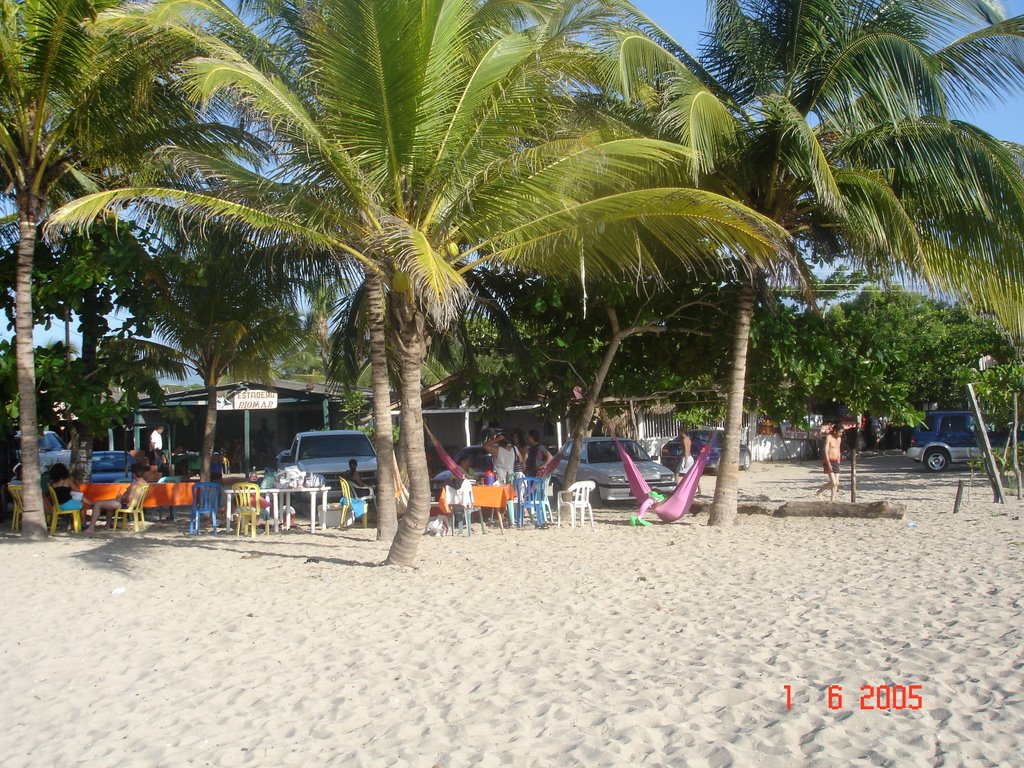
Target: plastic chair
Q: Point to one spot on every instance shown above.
(247, 508)
(76, 514)
(576, 498)
(134, 508)
(532, 500)
(205, 501)
(350, 502)
(19, 506)
(462, 498)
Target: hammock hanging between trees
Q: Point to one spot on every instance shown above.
(454, 468)
(678, 502)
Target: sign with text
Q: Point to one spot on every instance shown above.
(255, 400)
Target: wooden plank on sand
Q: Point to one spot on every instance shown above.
(875, 509)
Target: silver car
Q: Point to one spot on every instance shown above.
(600, 462)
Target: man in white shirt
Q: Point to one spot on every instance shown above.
(156, 446)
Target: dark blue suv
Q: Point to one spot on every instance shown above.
(947, 437)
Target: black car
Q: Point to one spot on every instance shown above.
(481, 462)
(672, 451)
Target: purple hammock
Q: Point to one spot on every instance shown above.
(678, 503)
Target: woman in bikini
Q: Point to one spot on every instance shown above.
(830, 463)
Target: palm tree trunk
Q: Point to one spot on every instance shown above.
(723, 507)
(32, 526)
(209, 431)
(583, 423)
(387, 512)
(412, 349)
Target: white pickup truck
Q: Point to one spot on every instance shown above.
(328, 453)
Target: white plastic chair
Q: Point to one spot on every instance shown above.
(463, 497)
(576, 498)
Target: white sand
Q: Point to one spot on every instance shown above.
(669, 645)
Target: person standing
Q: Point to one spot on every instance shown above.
(537, 455)
(156, 446)
(686, 457)
(504, 457)
(830, 462)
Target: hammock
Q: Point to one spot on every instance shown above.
(552, 465)
(401, 492)
(678, 503)
(443, 455)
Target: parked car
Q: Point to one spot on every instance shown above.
(947, 437)
(111, 466)
(481, 462)
(600, 462)
(52, 450)
(672, 451)
(328, 453)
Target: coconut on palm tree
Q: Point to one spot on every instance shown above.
(423, 141)
(835, 120)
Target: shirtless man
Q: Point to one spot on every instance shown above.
(830, 463)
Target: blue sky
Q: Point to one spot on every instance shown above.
(684, 19)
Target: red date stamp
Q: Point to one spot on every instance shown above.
(872, 697)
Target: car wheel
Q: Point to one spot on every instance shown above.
(556, 487)
(936, 460)
(745, 462)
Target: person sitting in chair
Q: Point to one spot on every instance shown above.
(359, 486)
(112, 505)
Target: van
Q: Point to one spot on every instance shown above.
(947, 437)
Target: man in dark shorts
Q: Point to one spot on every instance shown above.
(832, 455)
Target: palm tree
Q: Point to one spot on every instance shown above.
(77, 102)
(423, 141)
(832, 118)
(219, 315)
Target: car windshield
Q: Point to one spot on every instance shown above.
(330, 446)
(604, 452)
(48, 441)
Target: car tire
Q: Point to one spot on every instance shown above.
(556, 487)
(745, 462)
(935, 460)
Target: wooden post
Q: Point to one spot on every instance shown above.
(959, 496)
(981, 435)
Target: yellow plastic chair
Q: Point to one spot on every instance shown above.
(76, 514)
(19, 506)
(351, 504)
(134, 508)
(247, 508)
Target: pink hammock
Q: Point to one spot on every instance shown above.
(443, 455)
(678, 503)
(552, 465)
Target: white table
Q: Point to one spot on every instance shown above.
(274, 496)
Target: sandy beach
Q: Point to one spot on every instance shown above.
(670, 645)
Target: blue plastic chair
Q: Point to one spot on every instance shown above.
(532, 499)
(205, 501)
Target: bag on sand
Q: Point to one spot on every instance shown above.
(438, 526)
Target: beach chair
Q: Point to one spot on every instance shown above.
(19, 506)
(134, 508)
(205, 501)
(576, 499)
(531, 501)
(56, 512)
(350, 503)
(247, 508)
